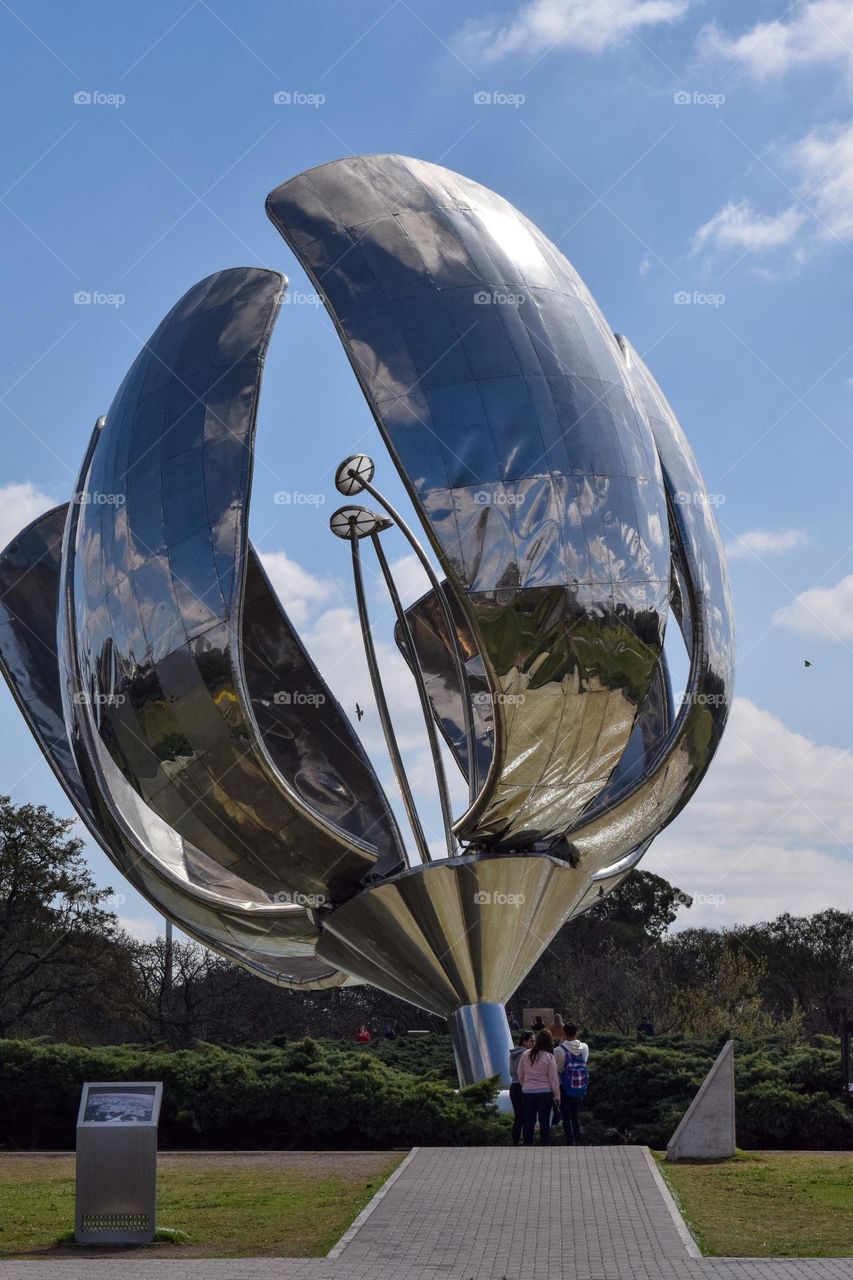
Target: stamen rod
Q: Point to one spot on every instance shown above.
(382, 704)
(426, 705)
(459, 661)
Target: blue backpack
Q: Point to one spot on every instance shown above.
(574, 1078)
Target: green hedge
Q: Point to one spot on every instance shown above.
(395, 1094)
(297, 1096)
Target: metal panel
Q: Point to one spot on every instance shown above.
(273, 939)
(503, 398)
(206, 701)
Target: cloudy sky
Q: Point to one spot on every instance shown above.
(694, 161)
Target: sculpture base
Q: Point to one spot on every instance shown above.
(481, 1041)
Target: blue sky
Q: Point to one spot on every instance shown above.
(673, 149)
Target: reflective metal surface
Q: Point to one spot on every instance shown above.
(481, 1042)
(274, 940)
(190, 727)
(193, 680)
(706, 619)
(503, 398)
(458, 932)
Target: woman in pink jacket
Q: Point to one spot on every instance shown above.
(540, 1087)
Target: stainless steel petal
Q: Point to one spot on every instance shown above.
(196, 685)
(453, 933)
(707, 624)
(505, 403)
(274, 940)
(437, 660)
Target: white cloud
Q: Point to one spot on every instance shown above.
(410, 577)
(764, 542)
(824, 612)
(739, 225)
(817, 32)
(770, 829)
(20, 504)
(591, 25)
(297, 589)
(824, 162)
(821, 175)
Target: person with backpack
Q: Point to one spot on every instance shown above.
(540, 1088)
(525, 1041)
(574, 1082)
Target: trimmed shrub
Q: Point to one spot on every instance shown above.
(333, 1094)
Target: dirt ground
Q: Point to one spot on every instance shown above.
(318, 1164)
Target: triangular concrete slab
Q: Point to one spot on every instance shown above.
(707, 1129)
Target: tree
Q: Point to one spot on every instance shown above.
(809, 960)
(602, 968)
(53, 924)
(643, 904)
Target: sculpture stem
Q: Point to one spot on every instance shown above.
(481, 1041)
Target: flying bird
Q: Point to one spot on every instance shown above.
(359, 712)
(806, 662)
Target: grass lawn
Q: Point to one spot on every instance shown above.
(765, 1204)
(275, 1204)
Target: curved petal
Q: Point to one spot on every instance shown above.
(178, 640)
(706, 615)
(276, 940)
(508, 410)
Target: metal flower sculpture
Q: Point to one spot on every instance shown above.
(145, 645)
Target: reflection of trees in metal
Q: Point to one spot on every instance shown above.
(189, 725)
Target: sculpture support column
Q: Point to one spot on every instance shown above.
(481, 1041)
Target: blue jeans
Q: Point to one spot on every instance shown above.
(570, 1108)
(515, 1097)
(537, 1106)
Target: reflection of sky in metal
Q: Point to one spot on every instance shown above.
(550, 475)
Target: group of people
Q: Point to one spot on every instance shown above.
(549, 1079)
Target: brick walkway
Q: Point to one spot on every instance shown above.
(588, 1213)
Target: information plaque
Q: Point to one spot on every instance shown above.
(117, 1162)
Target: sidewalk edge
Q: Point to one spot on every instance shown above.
(356, 1226)
(669, 1200)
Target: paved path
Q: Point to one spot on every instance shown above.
(489, 1213)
